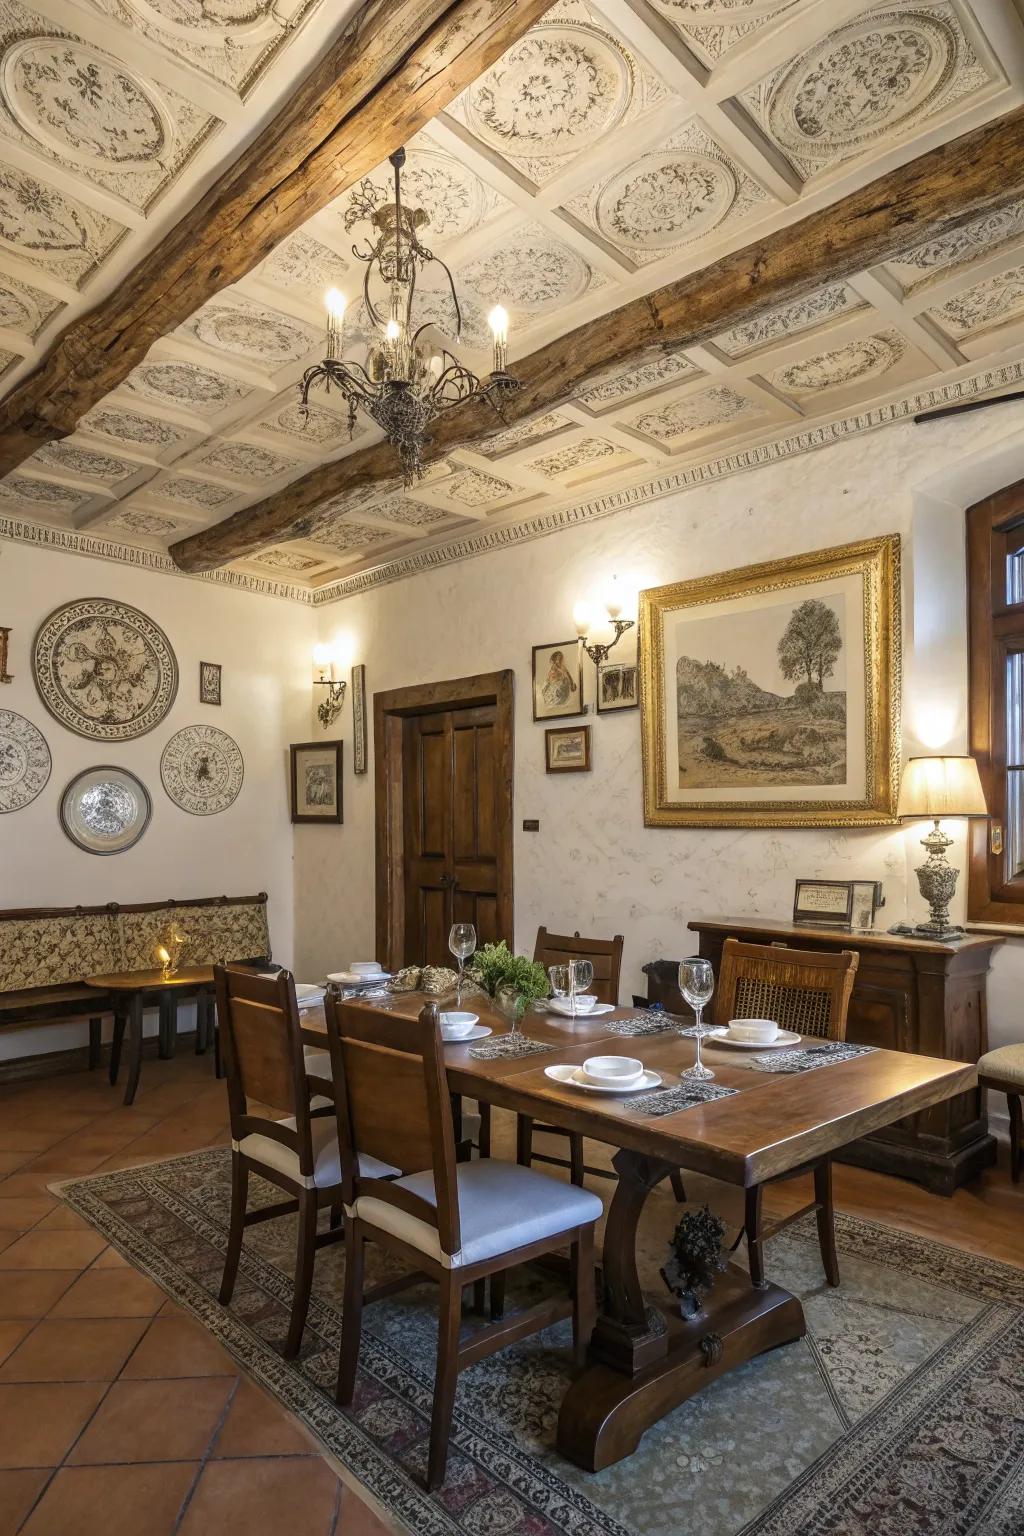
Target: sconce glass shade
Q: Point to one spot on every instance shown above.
(939, 787)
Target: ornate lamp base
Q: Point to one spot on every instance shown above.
(937, 879)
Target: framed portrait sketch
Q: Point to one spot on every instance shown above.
(770, 695)
(618, 686)
(567, 750)
(209, 682)
(316, 781)
(557, 681)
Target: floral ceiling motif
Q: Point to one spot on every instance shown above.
(993, 302)
(248, 461)
(149, 524)
(454, 198)
(186, 384)
(712, 28)
(75, 460)
(790, 319)
(305, 265)
(285, 560)
(523, 434)
(660, 371)
(43, 493)
(344, 537)
(196, 493)
(414, 514)
(881, 73)
(949, 253)
(41, 225)
(245, 330)
(678, 418)
(575, 456)
(128, 427)
(530, 272)
(23, 308)
(847, 364)
(311, 425)
(474, 488)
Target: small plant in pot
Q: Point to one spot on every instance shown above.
(694, 1259)
(496, 969)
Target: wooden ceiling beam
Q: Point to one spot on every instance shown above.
(394, 67)
(929, 197)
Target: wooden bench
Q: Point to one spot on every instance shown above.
(46, 953)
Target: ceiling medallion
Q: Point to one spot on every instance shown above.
(201, 769)
(842, 365)
(104, 670)
(454, 200)
(16, 313)
(862, 81)
(407, 381)
(552, 93)
(24, 761)
(721, 13)
(257, 334)
(663, 199)
(80, 104)
(227, 19)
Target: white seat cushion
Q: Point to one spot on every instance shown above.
(326, 1155)
(501, 1207)
(1006, 1063)
(318, 1063)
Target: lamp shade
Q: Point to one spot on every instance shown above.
(941, 786)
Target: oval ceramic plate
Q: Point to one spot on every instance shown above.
(784, 1037)
(478, 1032)
(567, 1075)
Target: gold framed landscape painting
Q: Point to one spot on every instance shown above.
(770, 695)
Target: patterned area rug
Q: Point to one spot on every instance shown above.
(901, 1414)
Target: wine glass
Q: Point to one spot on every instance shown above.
(508, 1004)
(462, 943)
(697, 983)
(558, 975)
(581, 973)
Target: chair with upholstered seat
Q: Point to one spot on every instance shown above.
(266, 1066)
(1002, 1071)
(457, 1222)
(808, 992)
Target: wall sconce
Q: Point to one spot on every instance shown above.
(583, 619)
(325, 668)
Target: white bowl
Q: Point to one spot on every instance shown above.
(365, 968)
(456, 1026)
(620, 1070)
(758, 1031)
(585, 1001)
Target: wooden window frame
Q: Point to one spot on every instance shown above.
(995, 529)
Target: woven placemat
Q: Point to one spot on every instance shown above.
(807, 1058)
(672, 1099)
(508, 1045)
(649, 1021)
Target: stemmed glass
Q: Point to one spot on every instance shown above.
(697, 983)
(462, 943)
(581, 974)
(558, 975)
(507, 1000)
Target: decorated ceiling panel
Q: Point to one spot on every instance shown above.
(621, 145)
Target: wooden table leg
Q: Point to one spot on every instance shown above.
(644, 1362)
(168, 1025)
(134, 1047)
(116, 1040)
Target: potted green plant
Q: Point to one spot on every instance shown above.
(497, 970)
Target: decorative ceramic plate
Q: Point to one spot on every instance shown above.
(24, 761)
(478, 1032)
(201, 768)
(784, 1037)
(104, 669)
(570, 1076)
(105, 809)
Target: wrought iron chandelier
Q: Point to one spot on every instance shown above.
(406, 382)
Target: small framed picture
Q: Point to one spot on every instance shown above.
(617, 686)
(567, 750)
(557, 681)
(209, 682)
(867, 898)
(823, 901)
(316, 781)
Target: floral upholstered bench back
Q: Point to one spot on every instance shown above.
(54, 950)
(213, 935)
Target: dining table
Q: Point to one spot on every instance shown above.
(131, 993)
(645, 1357)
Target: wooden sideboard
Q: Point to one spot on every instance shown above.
(909, 995)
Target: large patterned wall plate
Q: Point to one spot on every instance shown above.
(104, 669)
(105, 809)
(201, 768)
(24, 761)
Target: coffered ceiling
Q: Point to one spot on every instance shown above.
(617, 146)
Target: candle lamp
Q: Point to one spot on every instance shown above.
(325, 668)
(934, 788)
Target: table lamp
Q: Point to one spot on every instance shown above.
(938, 787)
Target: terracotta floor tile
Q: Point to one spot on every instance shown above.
(177, 1346)
(74, 1349)
(34, 1184)
(294, 1494)
(19, 1215)
(53, 1250)
(257, 1425)
(11, 1335)
(31, 1292)
(125, 1501)
(60, 1122)
(110, 1259)
(155, 1421)
(18, 1492)
(100, 1138)
(357, 1519)
(40, 1424)
(120, 1292)
(9, 1161)
(24, 1138)
(64, 1165)
(63, 1219)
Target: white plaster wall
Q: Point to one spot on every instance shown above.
(594, 865)
(264, 646)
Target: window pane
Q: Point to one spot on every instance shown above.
(1015, 707)
(1015, 576)
(1014, 823)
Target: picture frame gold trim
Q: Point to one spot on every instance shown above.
(877, 560)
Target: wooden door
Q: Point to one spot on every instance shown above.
(454, 846)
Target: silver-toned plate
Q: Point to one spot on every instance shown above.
(105, 809)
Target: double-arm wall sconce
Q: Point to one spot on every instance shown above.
(325, 667)
(582, 617)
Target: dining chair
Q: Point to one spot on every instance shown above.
(457, 1222)
(809, 992)
(1002, 1071)
(605, 955)
(267, 1067)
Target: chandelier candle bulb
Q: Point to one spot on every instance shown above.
(498, 322)
(336, 305)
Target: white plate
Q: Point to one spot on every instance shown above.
(476, 1033)
(784, 1037)
(567, 1076)
(556, 1005)
(350, 979)
(306, 992)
